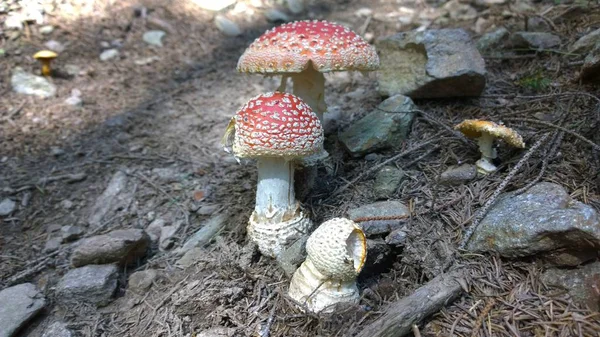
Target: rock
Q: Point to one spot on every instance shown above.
(70, 233)
(542, 221)
(493, 39)
(47, 29)
(274, 15)
(428, 64)
(123, 246)
(460, 11)
(55, 46)
(168, 175)
(141, 281)
(293, 256)
(29, 84)
(109, 54)
(387, 181)
(154, 37)
(227, 26)
(218, 332)
(537, 24)
(590, 72)
(18, 304)
(396, 238)
(192, 257)
(66, 204)
(56, 151)
(13, 21)
(160, 232)
(146, 60)
(390, 208)
(583, 283)
(295, 6)
(52, 245)
(586, 43)
(372, 157)
(534, 40)
(154, 229)
(57, 329)
(73, 69)
(7, 206)
(385, 127)
(458, 175)
(75, 98)
(214, 5)
(108, 199)
(207, 209)
(203, 236)
(93, 284)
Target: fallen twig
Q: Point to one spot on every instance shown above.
(558, 127)
(39, 266)
(400, 316)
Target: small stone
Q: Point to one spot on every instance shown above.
(29, 84)
(207, 209)
(147, 60)
(66, 204)
(537, 24)
(141, 281)
(53, 228)
(55, 46)
(166, 236)
(122, 246)
(214, 5)
(430, 64)
(7, 206)
(227, 26)
(52, 245)
(45, 30)
(93, 284)
(109, 54)
(71, 233)
(154, 229)
(387, 181)
(543, 221)
(203, 236)
(13, 21)
(586, 43)
(534, 40)
(154, 37)
(218, 332)
(57, 329)
(493, 39)
(74, 101)
(72, 69)
(396, 238)
(390, 208)
(274, 15)
(372, 157)
(458, 175)
(168, 175)
(108, 199)
(56, 151)
(583, 283)
(18, 305)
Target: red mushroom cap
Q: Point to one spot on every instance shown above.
(291, 46)
(277, 124)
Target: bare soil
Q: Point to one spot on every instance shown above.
(172, 112)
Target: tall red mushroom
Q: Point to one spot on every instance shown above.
(275, 129)
(304, 50)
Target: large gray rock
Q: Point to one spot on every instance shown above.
(581, 283)
(543, 221)
(18, 304)
(57, 329)
(586, 43)
(534, 40)
(382, 209)
(93, 284)
(121, 246)
(432, 63)
(385, 127)
(28, 84)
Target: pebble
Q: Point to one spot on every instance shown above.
(154, 37)
(75, 98)
(227, 26)
(396, 238)
(71, 233)
(207, 209)
(46, 30)
(7, 206)
(534, 40)
(55, 46)
(28, 84)
(57, 329)
(141, 281)
(72, 69)
(66, 204)
(387, 181)
(18, 305)
(122, 246)
(52, 245)
(93, 284)
(109, 54)
(492, 39)
(458, 175)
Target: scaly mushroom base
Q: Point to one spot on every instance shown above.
(273, 238)
(317, 293)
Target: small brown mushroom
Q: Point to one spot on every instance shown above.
(45, 57)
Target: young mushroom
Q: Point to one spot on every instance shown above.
(276, 129)
(304, 50)
(485, 132)
(336, 253)
(45, 57)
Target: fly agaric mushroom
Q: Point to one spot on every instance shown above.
(485, 132)
(304, 50)
(45, 57)
(275, 129)
(336, 253)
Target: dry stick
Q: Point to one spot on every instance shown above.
(565, 130)
(401, 315)
(33, 270)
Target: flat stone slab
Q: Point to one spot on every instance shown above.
(429, 64)
(542, 221)
(18, 304)
(93, 284)
(121, 246)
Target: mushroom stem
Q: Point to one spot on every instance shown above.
(283, 83)
(46, 67)
(310, 86)
(484, 164)
(275, 198)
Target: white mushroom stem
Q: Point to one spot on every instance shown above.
(275, 198)
(488, 153)
(310, 86)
